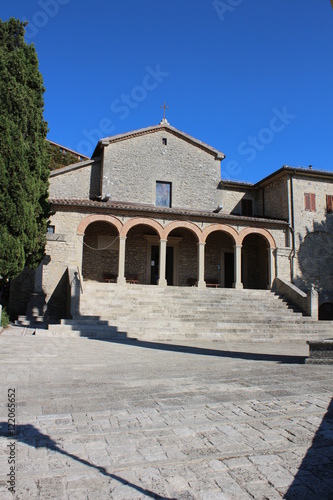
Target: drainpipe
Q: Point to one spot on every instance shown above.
(292, 227)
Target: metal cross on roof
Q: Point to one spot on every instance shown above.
(164, 108)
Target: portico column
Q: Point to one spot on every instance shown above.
(271, 267)
(201, 265)
(162, 281)
(121, 261)
(238, 267)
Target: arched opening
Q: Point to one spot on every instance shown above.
(326, 311)
(142, 255)
(255, 261)
(183, 256)
(219, 259)
(100, 252)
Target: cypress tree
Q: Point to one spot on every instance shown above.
(24, 208)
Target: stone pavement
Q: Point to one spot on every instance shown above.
(105, 420)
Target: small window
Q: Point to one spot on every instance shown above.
(310, 202)
(164, 141)
(163, 194)
(50, 229)
(247, 208)
(329, 203)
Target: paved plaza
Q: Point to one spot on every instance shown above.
(98, 420)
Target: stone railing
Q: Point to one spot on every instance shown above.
(307, 302)
(76, 288)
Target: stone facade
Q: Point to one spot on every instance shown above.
(132, 167)
(107, 221)
(78, 181)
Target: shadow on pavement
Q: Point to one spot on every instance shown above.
(31, 436)
(204, 351)
(314, 479)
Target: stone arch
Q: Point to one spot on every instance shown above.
(221, 227)
(100, 247)
(257, 245)
(220, 241)
(98, 218)
(144, 221)
(184, 225)
(254, 230)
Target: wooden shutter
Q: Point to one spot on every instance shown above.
(307, 201)
(312, 202)
(329, 203)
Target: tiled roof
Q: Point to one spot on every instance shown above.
(138, 207)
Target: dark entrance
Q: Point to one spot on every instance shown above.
(155, 265)
(228, 270)
(326, 311)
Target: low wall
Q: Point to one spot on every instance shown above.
(307, 302)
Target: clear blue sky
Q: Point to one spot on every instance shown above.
(253, 79)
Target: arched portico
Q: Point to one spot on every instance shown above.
(100, 251)
(258, 266)
(219, 256)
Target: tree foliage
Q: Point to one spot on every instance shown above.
(24, 172)
(57, 159)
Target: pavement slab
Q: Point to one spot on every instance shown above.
(96, 419)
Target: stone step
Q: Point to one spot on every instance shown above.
(154, 313)
(140, 327)
(227, 336)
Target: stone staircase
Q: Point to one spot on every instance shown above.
(154, 314)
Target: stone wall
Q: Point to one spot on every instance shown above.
(76, 183)
(313, 237)
(21, 289)
(232, 200)
(132, 167)
(276, 199)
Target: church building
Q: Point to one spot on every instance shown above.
(150, 208)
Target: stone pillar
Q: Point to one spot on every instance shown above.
(238, 267)
(37, 305)
(271, 268)
(121, 261)
(201, 265)
(162, 281)
(313, 302)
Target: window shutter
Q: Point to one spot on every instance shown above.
(312, 202)
(307, 201)
(329, 204)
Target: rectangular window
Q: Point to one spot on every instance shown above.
(51, 229)
(247, 208)
(163, 194)
(329, 203)
(164, 141)
(310, 202)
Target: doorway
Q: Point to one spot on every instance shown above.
(155, 265)
(228, 269)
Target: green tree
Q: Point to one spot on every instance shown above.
(57, 159)
(24, 172)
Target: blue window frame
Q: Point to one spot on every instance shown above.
(163, 194)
